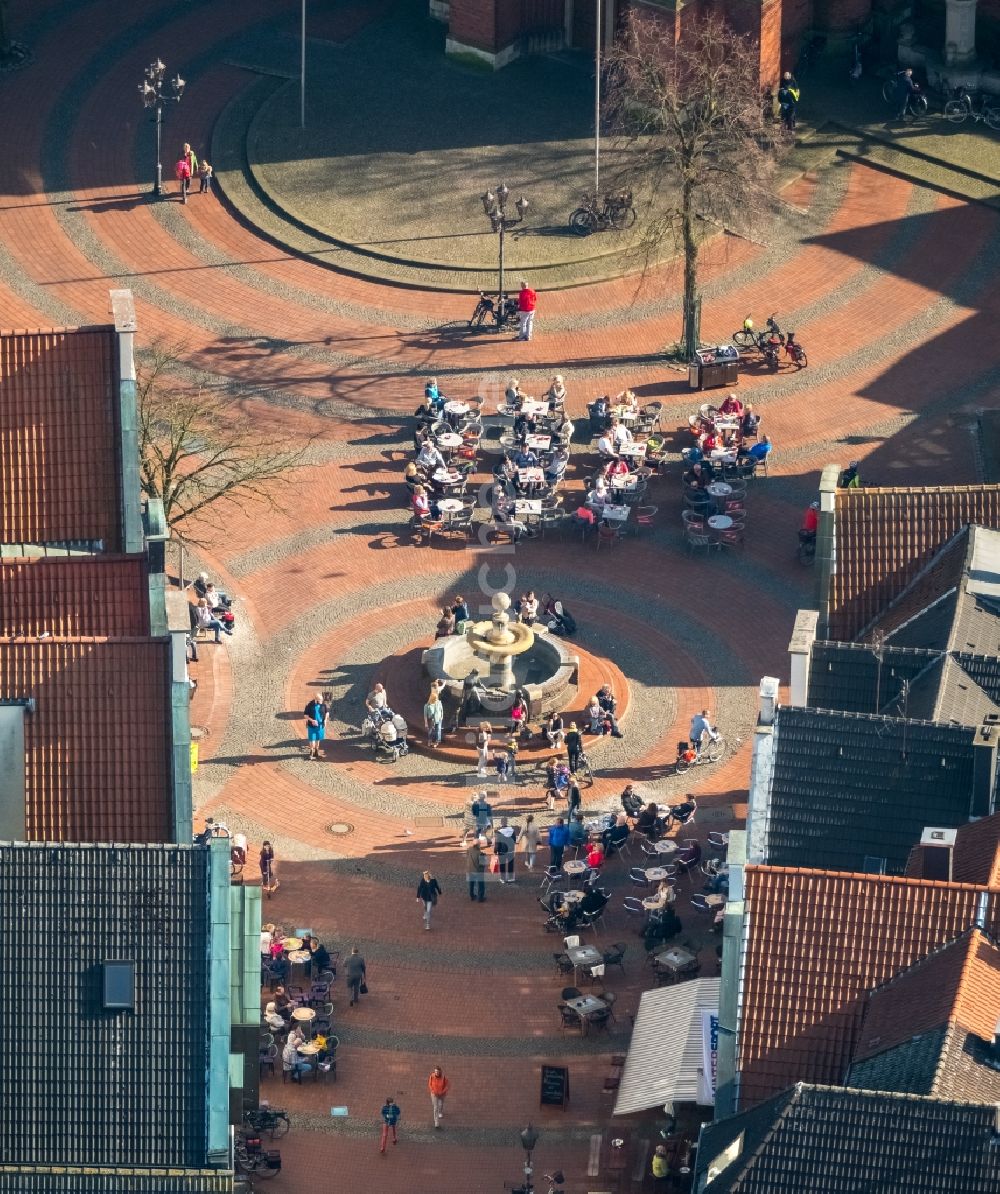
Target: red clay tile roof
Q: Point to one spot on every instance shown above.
(884, 537)
(817, 943)
(59, 437)
(98, 760)
(977, 852)
(957, 984)
(74, 596)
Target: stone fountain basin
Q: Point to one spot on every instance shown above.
(548, 672)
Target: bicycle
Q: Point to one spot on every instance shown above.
(711, 752)
(584, 774)
(916, 101)
(962, 106)
(618, 212)
(268, 1119)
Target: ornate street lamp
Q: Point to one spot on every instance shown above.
(529, 1138)
(154, 94)
(495, 206)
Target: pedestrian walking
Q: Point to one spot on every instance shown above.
(788, 100)
(434, 718)
(532, 835)
(574, 745)
(267, 877)
(476, 863)
(527, 301)
(428, 890)
(316, 713)
(390, 1117)
(356, 973)
(437, 1084)
(504, 846)
(906, 89)
(483, 747)
(205, 175)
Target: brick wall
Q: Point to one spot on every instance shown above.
(771, 33)
(474, 23)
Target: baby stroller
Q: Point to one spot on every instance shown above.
(558, 618)
(386, 733)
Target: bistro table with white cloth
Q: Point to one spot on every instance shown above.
(612, 513)
(633, 451)
(720, 522)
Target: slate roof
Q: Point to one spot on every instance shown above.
(97, 747)
(59, 438)
(844, 786)
(67, 1180)
(84, 1085)
(886, 537)
(74, 596)
(817, 942)
(826, 1139)
(854, 678)
(929, 1029)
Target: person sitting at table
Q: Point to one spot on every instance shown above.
(616, 837)
(711, 441)
(423, 507)
(283, 1005)
(413, 475)
(662, 926)
(662, 898)
(631, 801)
(552, 728)
(650, 822)
(616, 468)
(600, 410)
(556, 393)
(719, 883)
(319, 955)
(433, 396)
(598, 496)
(750, 422)
(274, 1022)
(564, 428)
(512, 395)
(699, 475)
(627, 399)
(593, 901)
(292, 1063)
(595, 856)
(524, 425)
(731, 406)
(446, 624)
(582, 518)
(758, 451)
(693, 454)
(577, 831)
(689, 856)
(526, 458)
(429, 458)
(606, 447)
(620, 434)
(556, 467)
(460, 609)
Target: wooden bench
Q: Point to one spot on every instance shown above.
(613, 1080)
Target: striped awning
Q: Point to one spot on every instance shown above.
(666, 1059)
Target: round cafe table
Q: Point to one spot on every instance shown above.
(444, 477)
(655, 873)
(449, 505)
(309, 1049)
(666, 847)
(574, 867)
(456, 408)
(291, 944)
(720, 522)
(449, 439)
(572, 897)
(305, 1014)
(720, 489)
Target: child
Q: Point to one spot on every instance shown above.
(501, 761)
(512, 757)
(205, 174)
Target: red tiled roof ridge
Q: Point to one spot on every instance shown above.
(869, 490)
(34, 640)
(103, 557)
(81, 327)
(901, 880)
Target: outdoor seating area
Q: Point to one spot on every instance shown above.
(298, 973)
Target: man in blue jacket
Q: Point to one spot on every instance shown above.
(390, 1117)
(558, 841)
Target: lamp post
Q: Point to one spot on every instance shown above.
(495, 206)
(529, 1138)
(154, 94)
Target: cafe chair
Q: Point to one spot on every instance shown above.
(699, 542)
(700, 904)
(733, 537)
(615, 956)
(644, 516)
(571, 942)
(635, 911)
(600, 1019)
(718, 841)
(570, 993)
(267, 1058)
(563, 964)
(596, 972)
(734, 505)
(649, 850)
(569, 1019)
(592, 919)
(608, 534)
(637, 877)
(551, 877)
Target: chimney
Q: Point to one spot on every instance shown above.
(984, 766)
(937, 848)
(769, 686)
(800, 650)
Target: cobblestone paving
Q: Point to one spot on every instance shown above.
(888, 284)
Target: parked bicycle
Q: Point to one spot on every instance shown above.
(618, 212)
(501, 312)
(267, 1119)
(748, 338)
(962, 105)
(252, 1157)
(584, 774)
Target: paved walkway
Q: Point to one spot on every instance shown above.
(889, 285)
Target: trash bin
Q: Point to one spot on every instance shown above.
(713, 368)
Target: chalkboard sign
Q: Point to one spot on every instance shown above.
(555, 1086)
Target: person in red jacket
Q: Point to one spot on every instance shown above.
(527, 300)
(437, 1084)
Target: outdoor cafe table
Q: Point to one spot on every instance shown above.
(445, 476)
(456, 408)
(530, 476)
(667, 846)
(304, 1014)
(626, 414)
(290, 944)
(612, 513)
(584, 955)
(634, 451)
(308, 1049)
(722, 456)
(298, 957)
(527, 507)
(572, 897)
(720, 522)
(655, 873)
(450, 506)
(541, 443)
(675, 958)
(586, 1005)
(626, 482)
(449, 439)
(651, 903)
(720, 489)
(574, 867)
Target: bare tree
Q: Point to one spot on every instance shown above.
(689, 121)
(197, 452)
